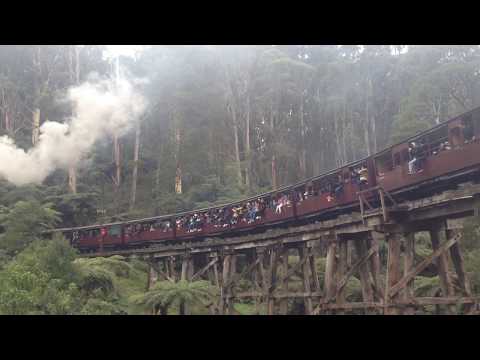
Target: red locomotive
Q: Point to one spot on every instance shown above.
(427, 161)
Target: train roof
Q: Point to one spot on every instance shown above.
(284, 188)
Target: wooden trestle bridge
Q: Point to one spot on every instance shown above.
(350, 243)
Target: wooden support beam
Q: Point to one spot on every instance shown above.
(165, 276)
(458, 264)
(303, 253)
(330, 271)
(288, 295)
(263, 275)
(231, 284)
(236, 277)
(373, 243)
(421, 266)
(224, 299)
(362, 265)
(353, 306)
(313, 270)
(349, 254)
(187, 264)
(408, 265)
(341, 271)
(393, 271)
(272, 270)
(362, 208)
(171, 265)
(384, 206)
(283, 303)
(442, 267)
(204, 269)
(442, 301)
(149, 276)
(294, 270)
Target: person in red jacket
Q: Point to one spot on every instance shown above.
(103, 233)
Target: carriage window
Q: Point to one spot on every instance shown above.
(436, 140)
(115, 230)
(384, 163)
(397, 160)
(469, 129)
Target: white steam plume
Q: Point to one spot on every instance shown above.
(101, 108)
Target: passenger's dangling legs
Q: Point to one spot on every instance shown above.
(411, 166)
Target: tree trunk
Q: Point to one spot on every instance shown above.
(367, 123)
(8, 123)
(237, 149)
(117, 160)
(178, 140)
(303, 152)
(37, 91)
(182, 308)
(339, 157)
(157, 180)
(74, 69)
(248, 153)
(274, 157)
(344, 130)
(36, 126)
(72, 179)
(135, 166)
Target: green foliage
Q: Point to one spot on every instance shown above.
(165, 294)
(426, 286)
(100, 307)
(24, 222)
(472, 267)
(40, 281)
(99, 275)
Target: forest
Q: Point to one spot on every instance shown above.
(193, 126)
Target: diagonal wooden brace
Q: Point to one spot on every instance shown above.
(423, 265)
(354, 268)
(236, 277)
(202, 271)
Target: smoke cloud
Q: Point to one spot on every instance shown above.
(101, 108)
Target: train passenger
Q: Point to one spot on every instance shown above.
(412, 151)
(355, 175)
(363, 176)
(338, 187)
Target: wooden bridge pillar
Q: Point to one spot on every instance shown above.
(227, 283)
(458, 264)
(283, 302)
(341, 272)
(330, 286)
(442, 267)
(152, 276)
(408, 265)
(272, 278)
(186, 275)
(261, 274)
(363, 255)
(171, 265)
(393, 272)
(304, 257)
(373, 243)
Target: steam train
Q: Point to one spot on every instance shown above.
(449, 152)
